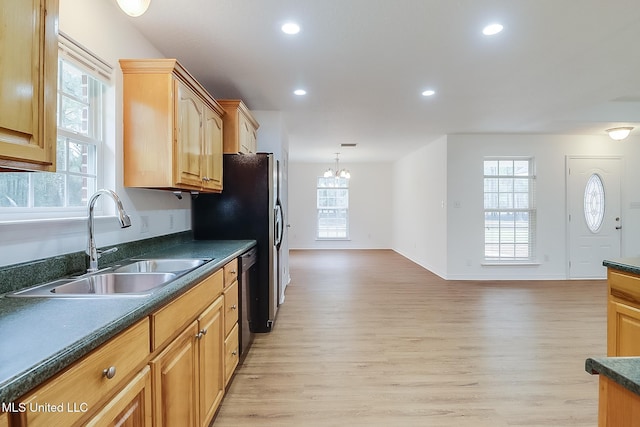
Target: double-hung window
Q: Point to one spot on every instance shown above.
(333, 208)
(82, 100)
(509, 210)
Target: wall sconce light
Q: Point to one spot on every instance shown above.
(618, 134)
(134, 8)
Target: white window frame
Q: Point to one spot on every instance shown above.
(508, 240)
(77, 55)
(340, 233)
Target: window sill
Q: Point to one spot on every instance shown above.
(510, 263)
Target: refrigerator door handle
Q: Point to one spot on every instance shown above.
(279, 225)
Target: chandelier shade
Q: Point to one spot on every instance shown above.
(337, 173)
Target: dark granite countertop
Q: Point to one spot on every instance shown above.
(42, 336)
(630, 265)
(623, 370)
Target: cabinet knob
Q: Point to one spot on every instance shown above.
(206, 178)
(203, 331)
(234, 307)
(234, 352)
(110, 372)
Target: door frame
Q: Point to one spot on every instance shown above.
(568, 159)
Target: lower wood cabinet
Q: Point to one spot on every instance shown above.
(617, 406)
(4, 420)
(211, 360)
(231, 331)
(175, 381)
(623, 314)
(188, 375)
(169, 369)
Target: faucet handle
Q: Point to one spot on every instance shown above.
(108, 251)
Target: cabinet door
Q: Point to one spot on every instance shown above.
(211, 352)
(623, 330)
(175, 382)
(29, 51)
(190, 113)
(4, 419)
(212, 151)
(244, 134)
(129, 408)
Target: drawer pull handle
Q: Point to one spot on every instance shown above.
(110, 372)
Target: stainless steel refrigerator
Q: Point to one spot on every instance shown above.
(248, 208)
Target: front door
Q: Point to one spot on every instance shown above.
(593, 197)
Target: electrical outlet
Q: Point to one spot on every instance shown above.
(144, 224)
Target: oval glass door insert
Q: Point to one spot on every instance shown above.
(594, 203)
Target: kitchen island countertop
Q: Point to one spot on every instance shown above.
(42, 336)
(630, 265)
(622, 370)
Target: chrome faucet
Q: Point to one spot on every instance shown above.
(124, 219)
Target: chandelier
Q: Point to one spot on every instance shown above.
(337, 173)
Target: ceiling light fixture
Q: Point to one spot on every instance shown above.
(618, 134)
(134, 8)
(300, 92)
(338, 173)
(290, 28)
(429, 92)
(492, 29)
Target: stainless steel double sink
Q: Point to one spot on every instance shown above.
(133, 278)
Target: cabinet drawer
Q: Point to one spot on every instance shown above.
(85, 384)
(230, 307)
(232, 356)
(231, 272)
(624, 286)
(173, 318)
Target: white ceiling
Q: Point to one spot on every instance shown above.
(559, 66)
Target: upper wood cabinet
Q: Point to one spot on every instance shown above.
(28, 87)
(240, 128)
(173, 128)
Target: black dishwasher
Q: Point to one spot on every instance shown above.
(248, 272)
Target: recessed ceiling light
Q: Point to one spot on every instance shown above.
(429, 92)
(492, 29)
(299, 92)
(290, 28)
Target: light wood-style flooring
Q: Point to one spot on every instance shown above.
(368, 338)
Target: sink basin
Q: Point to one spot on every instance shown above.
(136, 278)
(161, 265)
(114, 283)
(100, 285)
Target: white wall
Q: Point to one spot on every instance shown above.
(420, 200)
(102, 28)
(452, 247)
(370, 200)
(465, 156)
